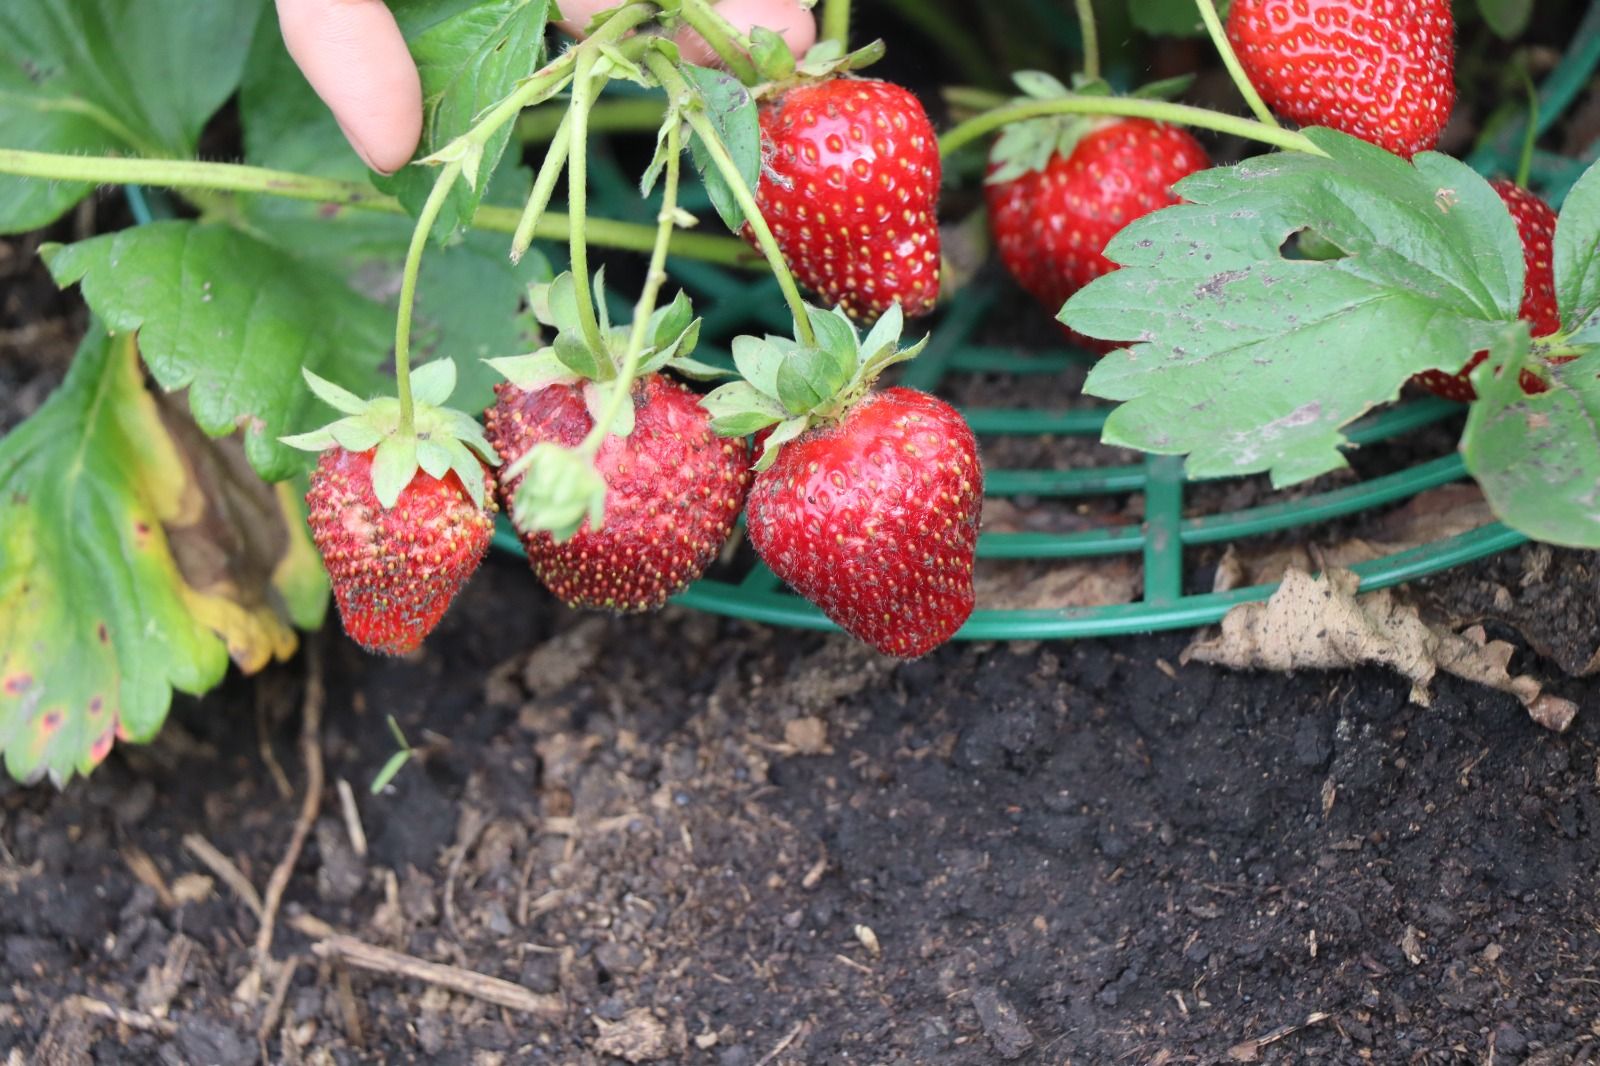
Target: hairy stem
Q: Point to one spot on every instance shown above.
(1091, 39)
(233, 177)
(731, 46)
(583, 89)
(544, 186)
(1230, 59)
(655, 277)
(408, 290)
(836, 22)
(632, 114)
(679, 89)
(1159, 110)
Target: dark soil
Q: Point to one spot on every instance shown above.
(726, 839)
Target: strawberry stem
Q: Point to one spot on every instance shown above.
(1158, 110)
(1230, 59)
(544, 186)
(836, 22)
(408, 291)
(583, 89)
(235, 177)
(631, 114)
(655, 277)
(679, 89)
(732, 46)
(1091, 39)
(1530, 139)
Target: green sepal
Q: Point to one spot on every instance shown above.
(534, 371)
(698, 371)
(758, 360)
(597, 396)
(433, 382)
(770, 52)
(836, 336)
(827, 58)
(737, 409)
(667, 324)
(335, 396)
(355, 434)
(573, 352)
(555, 304)
(786, 431)
(809, 378)
(1165, 89)
(393, 467)
(559, 490)
(1038, 85)
(433, 458)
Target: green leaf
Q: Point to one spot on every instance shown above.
(1507, 18)
(738, 410)
(233, 320)
(787, 431)
(758, 361)
(574, 353)
(533, 372)
(837, 338)
(99, 77)
(136, 556)
(1538, 457)
(809, 378)
(733, 115)
(1170, 18)
(1249, 361)
(471, 56)
(433, 382)
(669, 323)
(770, 53)
(1577, 258)
(1039, 85)
(342, 400)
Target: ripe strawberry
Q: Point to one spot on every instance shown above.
(673, 492)
(874, 518)
(1381, 70)
(1052, 224)
(394, 570)
(1536, 225)
(850, 187)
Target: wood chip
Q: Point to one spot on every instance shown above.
(468, 982)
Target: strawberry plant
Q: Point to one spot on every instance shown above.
(187, 499)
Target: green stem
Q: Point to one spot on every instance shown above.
(1530, 139)
(731, 46)
(679, 89)
(836, 22)
(544, 186)
(631, 114)
(408, 290)
(1230, 59)
(583, 90)
(1091, 39)
(655, 277)
(233, 177)
(1158, 110)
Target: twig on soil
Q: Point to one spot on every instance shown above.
(352, 817)
(467, 982)
(1250, 1050)
(226, 871)
(133, 1019)
(280, 993)
(782, 1045)
(264, 743)
(311, 753)
(347, 1008)
(144, 869)
(473, 823)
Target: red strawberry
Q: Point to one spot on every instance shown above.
(850, 186)
(874, 518)
(1381, 70)
(1536, 225)
(673, 492)
(1052, 225)
(394, 570)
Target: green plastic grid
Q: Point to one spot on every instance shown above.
(732, 303)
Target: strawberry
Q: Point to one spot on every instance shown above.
(850, 187)
(1052, 217)
(874, 518)
(1381, 70)
(673, 491)
(401, 514)
(866, 503)
(394, 569)
(1536, 225)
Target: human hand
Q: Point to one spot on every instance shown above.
(789, 18)
(352, 53)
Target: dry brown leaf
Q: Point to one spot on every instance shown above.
(1320, 623)
(640, 1037)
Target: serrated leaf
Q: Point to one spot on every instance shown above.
(733, 114)
(1577, 258)
(786, 431)
(433, 382)
(470, 57)
(233, 320)
(103, 77)
(737, 409)
(1537, 457)
(1248, 361)
(136, 556)
(393, 467)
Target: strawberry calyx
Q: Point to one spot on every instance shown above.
(1028, 146)
(789, 387)
(780, 71)
(563, 488)
(442, 439)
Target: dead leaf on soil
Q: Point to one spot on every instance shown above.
(1320, 623)
(640, 1037)
(1045, 586)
